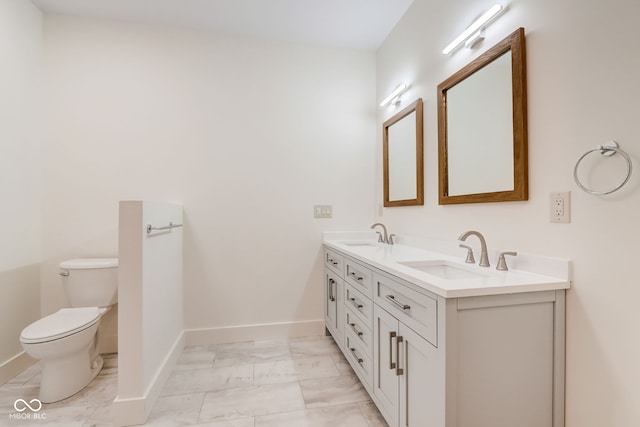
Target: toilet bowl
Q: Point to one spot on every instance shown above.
(66, 341)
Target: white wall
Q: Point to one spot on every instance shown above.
(246, 134)
(583, 62)
(150, 292)
(20, 187)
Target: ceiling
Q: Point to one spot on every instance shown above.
(358, 24)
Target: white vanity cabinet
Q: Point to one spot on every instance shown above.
(429, 360)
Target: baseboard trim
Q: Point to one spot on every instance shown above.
(14, 366)
(134, 411)
(268, 331)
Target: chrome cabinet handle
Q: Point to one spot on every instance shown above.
(335, 286)
(353, 326)
(331, 296)
(399, 305)
(332, 261)
(353, 301)
(399, 370)
(392, 335)
(353, 350)
(355, 276)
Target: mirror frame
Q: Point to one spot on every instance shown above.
(515, 43)
(419, 199)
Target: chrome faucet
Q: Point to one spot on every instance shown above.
(484, 256)
(470, 259)
(502, 263)
(383, 238)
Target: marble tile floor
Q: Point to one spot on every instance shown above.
(303, 382)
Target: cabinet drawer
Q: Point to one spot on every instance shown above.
(416, 310)
(359, 361)
(359, 331)
(359, 276)
(334, 261)
(359, 304)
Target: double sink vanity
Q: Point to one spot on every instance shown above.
(437, 339)
(440, 342)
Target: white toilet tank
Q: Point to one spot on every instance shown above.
(90, 282)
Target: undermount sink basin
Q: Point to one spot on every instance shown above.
(361, 244)
(444, 270)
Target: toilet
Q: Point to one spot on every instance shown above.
(65, 342)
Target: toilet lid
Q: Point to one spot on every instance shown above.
(63, 323)
(89, 263)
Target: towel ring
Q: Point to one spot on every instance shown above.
(606, 150)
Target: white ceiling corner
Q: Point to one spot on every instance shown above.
(358, 24)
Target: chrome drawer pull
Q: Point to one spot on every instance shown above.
(331, 296)
(353, 301)
(392, 335)
(353, 326)
(359, 279)
(399, 370)
(399, 305)
(353, 350)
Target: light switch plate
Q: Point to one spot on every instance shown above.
(322, 211)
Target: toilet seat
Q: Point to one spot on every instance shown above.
(60, 324)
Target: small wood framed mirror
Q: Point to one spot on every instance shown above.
(402, 137)
(482, 128)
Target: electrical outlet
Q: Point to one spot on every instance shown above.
(560, 207)
(322, 211)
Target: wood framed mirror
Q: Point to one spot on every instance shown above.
(482, 128)
(402, 138)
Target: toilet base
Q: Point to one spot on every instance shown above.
(62, 378)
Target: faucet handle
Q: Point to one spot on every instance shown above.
(391, 236)
(502, 262)
(380, 239)
(470, 259)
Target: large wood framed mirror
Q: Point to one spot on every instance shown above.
(482, 128)
(402, 138)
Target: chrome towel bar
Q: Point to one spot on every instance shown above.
(171, 225)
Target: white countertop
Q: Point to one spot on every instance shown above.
(481, 281)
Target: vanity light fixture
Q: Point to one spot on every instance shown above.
(474, 31)
(471, 41)
(394, 97)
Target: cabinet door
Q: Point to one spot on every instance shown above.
(420, 402)
(385, 367)
(330, 301)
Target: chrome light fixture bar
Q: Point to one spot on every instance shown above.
(393, 95)
(474, 28)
